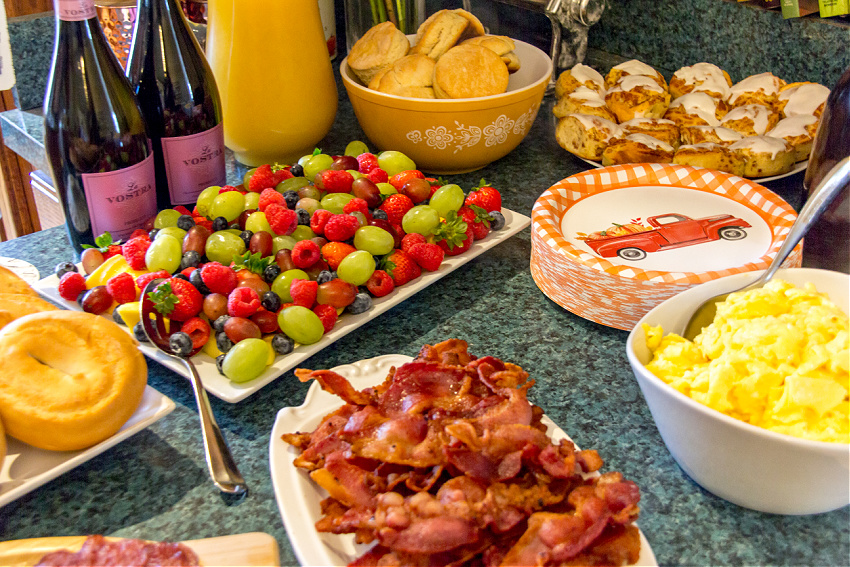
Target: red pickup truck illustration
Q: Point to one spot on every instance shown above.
(667, 231)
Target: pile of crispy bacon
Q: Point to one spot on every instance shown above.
(447, 463)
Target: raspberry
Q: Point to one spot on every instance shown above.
(218, 278)
(198, 330)
(334, 181)
(72, 285)
(305, 253)
(334, 252)
(428, 256)
(318, 221)
(269, 196)
(282, 220)
(367, 162)
(304, 292)
(378, 175)
(243, 302)
(327, 315)
(281, 175)
(134, 251)
(410, 240)
(357, 205)
(262, 178)
(341, 227)
(380, 283)
(145, 279)
(111, 250)
(122, 288)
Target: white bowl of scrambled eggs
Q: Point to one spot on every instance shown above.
(755, 410)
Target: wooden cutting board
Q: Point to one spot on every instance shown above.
(249, 549)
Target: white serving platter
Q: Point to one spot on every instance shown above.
(224, 389)
(298, 498)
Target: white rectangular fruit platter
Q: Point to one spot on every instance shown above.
(26, 467)
(224, 389)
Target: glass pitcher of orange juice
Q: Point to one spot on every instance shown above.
(274, 75)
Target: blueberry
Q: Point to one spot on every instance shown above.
(246, 235)
(196, 280)
(218, 324)
(117, 317)
(362, 303)
(325, 276)
(63, 268)
(380, 214)
(297, 170)
(180, 343)
(497, 220)
(139, 333)
(185, 222)
(282, 344)
(219, 223)
(223, 342)
(219, 360)
(271, 301)
(191, 259)
(181, 276)
(152, 234)
(292, 198)
(303, 217)
(271, 273)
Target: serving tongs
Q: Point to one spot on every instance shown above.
(222, 467)
(820, 199)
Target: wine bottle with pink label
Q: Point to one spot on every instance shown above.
(97, 145)
(180, 102)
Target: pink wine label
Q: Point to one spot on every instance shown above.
(121, 201)
(74, 10)
(193, 163)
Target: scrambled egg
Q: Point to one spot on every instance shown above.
(775, 357)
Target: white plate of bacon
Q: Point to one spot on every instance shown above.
(442, 464)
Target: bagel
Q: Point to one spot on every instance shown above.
(16, 305)
(10, 282)
(69, 379)
(2, 444)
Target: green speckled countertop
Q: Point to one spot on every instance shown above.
(155, 484)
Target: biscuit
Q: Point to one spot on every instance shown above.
(702, 77)
(379, 48)
(637, 148)
(756, 89)
(443, 30)
(467, 71)
(659, 128)
(583, 101)
(637, 96)
(410, 76)
(511, 61)
(501, 45)
(584, 135)
(751, 119)
(579, 76)
(799, 132)
(801, 98)
(474, 28)
(764, 156)
(711, 156)
(10, 282)
(633, 67)
(691, 135)
(696, 109)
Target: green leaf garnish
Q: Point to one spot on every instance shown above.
(164, 299)
(252, 262)
(102, 242)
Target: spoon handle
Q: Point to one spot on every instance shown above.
(821, 197)
(222, 467)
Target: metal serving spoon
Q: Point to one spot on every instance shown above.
(821, 197)
(223, 470)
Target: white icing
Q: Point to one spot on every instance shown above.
(704, 77)
(761, 144)
(793, 126)
(583, 73)
(632, 82)
(757, 113)
(701, 104)
(649, 141)
(804, 99)
(635, 67)
(699, 147)
(643, 121)
(610, 129)
(767, 83)
(587, 97)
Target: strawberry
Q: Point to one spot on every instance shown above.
(327, 315)
(378, 175)
(281, 173)
(485, 197)
(341, 227)
(396, 205)
(453, 235)
(380, 283)
(357, 205)
(262, 178)
(477, 218)
(145, 279)
(400, 267)
(334, 252)
(367, 162)
(429, 256)
(112, 250)
(399, 179)
(334, 181)
(411, 239)
(303, 292)
(177, 299)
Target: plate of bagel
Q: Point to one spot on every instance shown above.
(761, 127)
(72, 385)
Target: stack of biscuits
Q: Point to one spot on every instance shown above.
(450, 57)
(758, 127)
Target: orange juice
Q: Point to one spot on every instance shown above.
(277, 88)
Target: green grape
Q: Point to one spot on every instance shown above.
(252, 201)
(174, 231)
(447, 198)
(205, 199)
(281, 283)
(164, 253)
(303, 159)
(355, 174)
(357, 267)
(291, 184)
(302, 232)
(228, 205)
(317, 163)
(246, 360)
(301, 325)
(166, 217)
(386, 188)
(374, 240)
(282, 241)
(257, 222)
(395, 162)
(422, 219)
(223, 245)
(247, 177)
(355, 148)
(335, 202)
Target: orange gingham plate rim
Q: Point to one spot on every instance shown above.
(549, 209)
